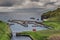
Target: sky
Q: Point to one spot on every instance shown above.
(13, 4)
(29, 2)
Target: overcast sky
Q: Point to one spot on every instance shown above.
(29, 3)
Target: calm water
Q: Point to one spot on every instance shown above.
(21, 38)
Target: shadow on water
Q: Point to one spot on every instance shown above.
(14, 37)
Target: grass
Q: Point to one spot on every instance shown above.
(41, 35)
(56, 18)
(4, 31)
(54, 24)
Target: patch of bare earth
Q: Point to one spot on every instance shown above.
(54, 37)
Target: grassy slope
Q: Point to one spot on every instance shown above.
(53, 15)
(54, 19)
(4, 31)
(54, 24)
(41, 35)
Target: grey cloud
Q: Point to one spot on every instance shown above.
(24, 3)
(35, 0)
(6, 3)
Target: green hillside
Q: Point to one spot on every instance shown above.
(4, 31)
(52, 15)
(53, 19)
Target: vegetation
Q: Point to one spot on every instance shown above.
(4, 31)
(41, 35)
(53, 19)
(52, 15)
(54, 24)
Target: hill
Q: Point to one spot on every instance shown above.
(52, 15)
(5, 33)
(52, 19)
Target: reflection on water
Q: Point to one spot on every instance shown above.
(21, 38)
